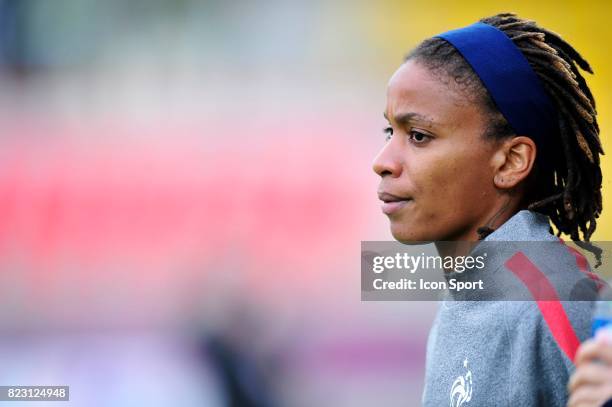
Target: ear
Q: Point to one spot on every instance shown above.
(513, 162)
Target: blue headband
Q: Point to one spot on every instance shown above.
(505, 72)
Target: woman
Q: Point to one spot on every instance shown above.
(493, 135)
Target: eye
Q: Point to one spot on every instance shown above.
(388, 133)
(418, 137)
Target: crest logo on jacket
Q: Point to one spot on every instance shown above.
(461, 391)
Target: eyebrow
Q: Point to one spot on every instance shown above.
(408, 117)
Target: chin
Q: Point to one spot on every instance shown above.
(407, 235)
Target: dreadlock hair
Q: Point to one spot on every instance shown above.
(567, 190)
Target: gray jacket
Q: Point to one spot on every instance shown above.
(505, 353)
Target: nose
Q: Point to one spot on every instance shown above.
(388, 162)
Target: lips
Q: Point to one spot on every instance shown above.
(392, 203)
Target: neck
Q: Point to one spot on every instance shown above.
(490, 222)
(500, 216)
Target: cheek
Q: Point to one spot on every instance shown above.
(457, 181)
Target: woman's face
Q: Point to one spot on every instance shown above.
(436, 168)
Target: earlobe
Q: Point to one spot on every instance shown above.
(505, 182)
(502, 182)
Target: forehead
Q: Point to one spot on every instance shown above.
(413, 88)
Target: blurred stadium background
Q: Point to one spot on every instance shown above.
(184, 187)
